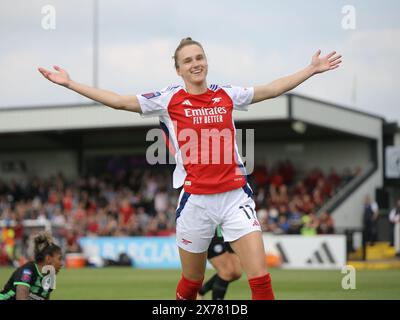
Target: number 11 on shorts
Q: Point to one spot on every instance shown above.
(246, 212)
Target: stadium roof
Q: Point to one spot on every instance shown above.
(289, 107)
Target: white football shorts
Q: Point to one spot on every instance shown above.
(198, 215)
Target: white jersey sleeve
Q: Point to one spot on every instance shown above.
(394, 217)
(241, 96)
(156, 103)
(374, 207)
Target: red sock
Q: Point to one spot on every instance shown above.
(187, 289)
(261, 288)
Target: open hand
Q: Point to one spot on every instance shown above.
(321, 64)
(60, 77)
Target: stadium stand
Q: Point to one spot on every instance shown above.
(83, 171)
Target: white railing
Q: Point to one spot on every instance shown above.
(346, 189)
(46, 224)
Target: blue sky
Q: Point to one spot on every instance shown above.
(247, 43)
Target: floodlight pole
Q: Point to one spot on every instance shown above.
(354, 93)
(95, 42)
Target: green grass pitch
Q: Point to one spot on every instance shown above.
(136, 284)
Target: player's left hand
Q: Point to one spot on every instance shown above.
(321, 64)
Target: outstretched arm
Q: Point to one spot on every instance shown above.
(108, 98)
(282, 85)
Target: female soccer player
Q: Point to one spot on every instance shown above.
(214, 192)
(27, 282)
(225, 262)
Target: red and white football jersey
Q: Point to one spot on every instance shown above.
(200, 130)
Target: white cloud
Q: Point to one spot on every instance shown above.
(370, 57)
(248, 46)
(23, 85)
(134, 68)
(149, 65)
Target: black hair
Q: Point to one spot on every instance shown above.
(44, 246)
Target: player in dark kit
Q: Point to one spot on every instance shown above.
(28, 282)
(227, 264)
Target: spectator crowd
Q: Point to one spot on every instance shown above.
(142, 202)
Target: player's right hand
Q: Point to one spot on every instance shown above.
(60, 77)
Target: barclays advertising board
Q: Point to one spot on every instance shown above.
(145, 252)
